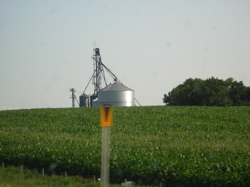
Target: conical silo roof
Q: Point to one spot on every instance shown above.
(116, 86)
(116, 94)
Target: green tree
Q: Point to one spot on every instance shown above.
(209, 92)
(185, 94)
(246, 96)
(214, 93)
(237, 92)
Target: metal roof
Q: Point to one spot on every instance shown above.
(116, 86)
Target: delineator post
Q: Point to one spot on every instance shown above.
(106, 123)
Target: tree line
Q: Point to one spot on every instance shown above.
(209, 92)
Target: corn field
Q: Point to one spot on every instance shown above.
(191, 146)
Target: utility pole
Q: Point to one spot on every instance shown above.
(73, 97)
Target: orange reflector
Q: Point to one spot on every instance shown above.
(106, 115)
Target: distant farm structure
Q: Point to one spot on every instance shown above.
(114, 93)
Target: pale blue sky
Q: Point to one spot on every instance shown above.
(151, 45)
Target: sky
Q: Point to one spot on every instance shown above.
(152, 46)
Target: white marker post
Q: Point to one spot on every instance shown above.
(106, 122)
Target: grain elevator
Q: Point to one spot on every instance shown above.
(114, 93)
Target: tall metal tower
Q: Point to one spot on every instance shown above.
(98, 71)
(73, 97)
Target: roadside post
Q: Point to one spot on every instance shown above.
(106, 123)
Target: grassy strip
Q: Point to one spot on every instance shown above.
(15, 177)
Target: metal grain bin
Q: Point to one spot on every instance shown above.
(84, 100)
(94, 101)
(117, 94)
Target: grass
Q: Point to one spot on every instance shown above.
(149, 145)
(15, 177)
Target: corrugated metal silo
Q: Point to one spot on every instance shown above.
(117, 94)
(84, 100)
(94, 101)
